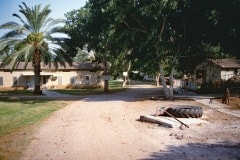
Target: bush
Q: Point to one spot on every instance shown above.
(232, 82)
(210, 88)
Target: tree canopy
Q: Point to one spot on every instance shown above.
(157, 30)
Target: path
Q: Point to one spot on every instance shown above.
(219, 107)
(97, 127)
(106, 127)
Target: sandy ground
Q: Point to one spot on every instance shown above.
(106, 127)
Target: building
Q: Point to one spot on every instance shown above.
(217, 70)
(79, 75)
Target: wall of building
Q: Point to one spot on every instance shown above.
(226, 74)
(213, 73)
(84, 78)
(57, 79)
(13, 79)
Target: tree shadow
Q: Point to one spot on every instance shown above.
(199, 151)
(132, 94)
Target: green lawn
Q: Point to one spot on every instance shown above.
(114, 86)
(15, 114)
(15, 92)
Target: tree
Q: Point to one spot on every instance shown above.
(157, 32)
(33, 40)
(83, 55)
(150, 22)
(207, 29)
(95, 25)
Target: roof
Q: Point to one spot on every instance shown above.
(73, 66)
(226, 63)
(223, 63)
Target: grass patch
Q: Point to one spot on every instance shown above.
(79, 91)
(114, 86)
(15, 92)
(17, 120)
(15, 114)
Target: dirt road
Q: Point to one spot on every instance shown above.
(107, 127)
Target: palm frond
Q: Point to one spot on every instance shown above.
(48, 21)
(62, 57)
(28, 54)
(25, 10)
(10, 25)
(56, 30)
(8, 43)
(53, 22)
(26, 25)
(17, 56)
(31, 16)
(42, 16)
(55, 47)
(5, 50)
(46, 57)
(13, 33)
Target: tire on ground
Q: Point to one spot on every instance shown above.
(185, 111)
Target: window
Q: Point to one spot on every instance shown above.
(59, 80)
(87, 78)
(72, 80)
(1, 81)
(14, 81)
(98, 79)
(237, 71)
(45, 79)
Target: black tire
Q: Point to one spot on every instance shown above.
(185, 111)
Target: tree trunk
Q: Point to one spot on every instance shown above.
(106, 88)
(157, 78)
(171, 84)
(126, 78)
(37, 70)
(164, 85)
(37, 89)
(124, 82)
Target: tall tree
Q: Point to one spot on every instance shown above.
(33, 40)
(158, 32)
(96, 26)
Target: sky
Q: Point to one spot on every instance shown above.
(58, 7)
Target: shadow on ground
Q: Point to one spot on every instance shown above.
(199, 151)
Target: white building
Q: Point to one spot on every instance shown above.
(214, 70)
(79, 75)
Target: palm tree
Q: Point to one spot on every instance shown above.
(34, 40)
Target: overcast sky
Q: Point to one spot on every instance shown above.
(58, 7)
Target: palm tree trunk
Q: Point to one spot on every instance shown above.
(37, 89)
(37, 70)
